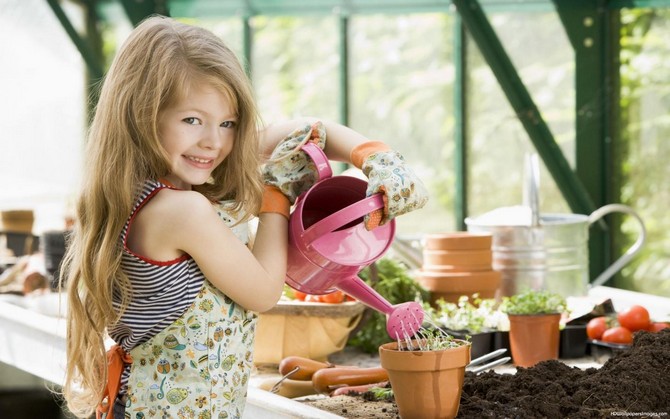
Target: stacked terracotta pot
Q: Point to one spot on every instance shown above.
(456, 264)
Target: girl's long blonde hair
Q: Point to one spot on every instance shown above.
(157, 64)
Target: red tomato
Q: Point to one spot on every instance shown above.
(617, 334)
(657, 326)
(299, 295)
(634, 318)
(310, 298)
(333, 298)
(595, 327)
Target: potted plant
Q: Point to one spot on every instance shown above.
(534, 318)
(426, 374)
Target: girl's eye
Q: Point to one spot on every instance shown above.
(192, 120)
(228, 124)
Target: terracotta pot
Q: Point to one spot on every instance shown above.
(457, 257)
(17, 221)
(458, 241)
(455, 268)
(533, 338)
(426, 384)
(450, 286)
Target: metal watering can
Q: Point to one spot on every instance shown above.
(329, 244)
(547, 251)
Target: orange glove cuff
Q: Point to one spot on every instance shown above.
(363, 151)
(275, 201)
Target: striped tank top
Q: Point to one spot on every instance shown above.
(161, 290)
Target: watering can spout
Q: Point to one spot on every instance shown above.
(403, 320)
(358, 289)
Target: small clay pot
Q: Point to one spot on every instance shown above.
(17, 221)
(458, 257)
(455, 268)
(451, 286)
(533, 338)
(458, 241)
(426, 384)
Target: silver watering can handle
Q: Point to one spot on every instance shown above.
(531, 192)
(631, 252)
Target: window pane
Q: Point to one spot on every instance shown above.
(402, 93)
(645, 149)
(42, 112)
(540, 51)
(294, 75)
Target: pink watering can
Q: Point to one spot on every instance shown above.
(329, 244)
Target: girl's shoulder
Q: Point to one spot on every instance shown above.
(172, 205)
(168, 222)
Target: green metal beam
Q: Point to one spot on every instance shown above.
(344, 70)
(138, 10)
(343, 73)
(529, 115)
(219, 8)
(619, 4)
(92, 60)
(460, 125)
(228, 8)
(585, 23)
(247, 43)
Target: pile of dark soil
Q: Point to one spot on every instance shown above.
(636, 382)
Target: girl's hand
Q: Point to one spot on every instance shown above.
(387, 173)
(289, 169)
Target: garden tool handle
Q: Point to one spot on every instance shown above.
(631, 252)
(487, 357)
(343, 217)
(491, 364)
(319, 158)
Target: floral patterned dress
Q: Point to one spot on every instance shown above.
(199, 366)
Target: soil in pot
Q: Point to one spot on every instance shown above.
(633, 381)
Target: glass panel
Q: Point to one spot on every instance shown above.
(42, 112)
(402, 76)
(540, 51)
(230, 30)
(645, 149)
(294, 75)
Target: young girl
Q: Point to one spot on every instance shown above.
(158, 260)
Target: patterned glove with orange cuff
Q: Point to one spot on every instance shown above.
(290, 171)
(387, 173)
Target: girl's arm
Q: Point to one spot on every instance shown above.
(178, 222)
(341, 140)
(385, 169)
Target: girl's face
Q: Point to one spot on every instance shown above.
(198, 132)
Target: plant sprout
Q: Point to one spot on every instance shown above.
(534, 302)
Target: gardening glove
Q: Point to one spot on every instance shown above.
(387, 173)
(289, 169)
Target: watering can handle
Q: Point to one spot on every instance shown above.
(343, 217)
(632, 251)
(319, 158)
